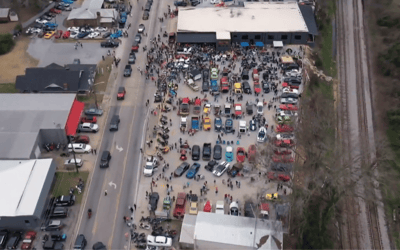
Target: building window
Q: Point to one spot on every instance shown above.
(234, 36)
(27, 222)
(298, 37)
(284, 37)
(270, 37)
(257, 37)
(245, 37)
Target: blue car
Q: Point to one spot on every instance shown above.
(49, 24)
(193, 171)
(68, 1)
(229, 154)
(117, 34)
(83, 34)
(217, 124)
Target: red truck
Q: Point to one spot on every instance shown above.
(197, 106)
(179, 210)
(89, 119)
(224, 85)
(184, 108)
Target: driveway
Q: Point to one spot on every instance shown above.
(47, 52)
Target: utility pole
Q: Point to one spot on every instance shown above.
(73, 153)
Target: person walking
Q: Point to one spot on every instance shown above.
(105, 193)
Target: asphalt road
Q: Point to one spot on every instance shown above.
(121, 178)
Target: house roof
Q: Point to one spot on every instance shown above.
(254, 17)
(92, 4)
(24, 115)
(82, 13)
(252, 233)
(24, 182)
(55, 78)
(4, 12)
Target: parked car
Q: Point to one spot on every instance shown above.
(181, 169)
(193, 170)
(217, 124)
(146, 15)
(12, 243)
(79, 148)
(107, 35)
(229, 154)
(221, 168)
(83, 35)
(81, 139)
(246, 87)
(88, 127)
(217, 152)
(109, 44)
(171, 37)
(80, 242)
(266, 86)
(53, 225)
(128, 70)
(105, 159)
(206, 85)
(206, 151)
(252, 125)
(196, 152)
(234, 209)
(65, 200)
(58, 236)
(94, 112)
(132, 58)
(99, 246)
(28, 240)
(240, 154)
(66, 35)
(141, 28)
(151, 166)
(260, 108)
(211, 165)
(135, 47)
(229, 126)
(153, 201)
(262, 134)
(71, 162)
(89, 119)
(160, 241)
(59, 212)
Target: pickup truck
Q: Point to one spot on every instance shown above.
(183, 125)
(197, 106)
(195, 123)
(179, 210)
(184, 108)
(193, 85)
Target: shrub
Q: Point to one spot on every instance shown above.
(6, 43)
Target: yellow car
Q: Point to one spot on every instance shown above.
(207, 123)
(237, 88)
(207, 108)
(193, 208)
(49, 34)
(271, 196)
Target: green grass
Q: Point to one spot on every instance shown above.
(326, 52)
(8, 88)
(65, 180)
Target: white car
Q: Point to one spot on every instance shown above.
(221, 168)
(214, 1)
(93, 35)
(260, 108)
(33, 30)
(73, 29)
(141, 28)
(74, 34)
(289, 90)
(288, 100)
(42, 21)
(71, 162)
(79, 148)
(101, 29)
(262, 134)
(160, 241)
(88, 127)
(151, 166)
(284, 136)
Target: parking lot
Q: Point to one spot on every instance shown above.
(256, 179)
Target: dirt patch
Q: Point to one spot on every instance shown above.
(15, 62)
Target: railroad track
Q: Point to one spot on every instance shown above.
(355, 232)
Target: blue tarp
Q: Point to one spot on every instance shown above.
(259, 44)
(244, 44)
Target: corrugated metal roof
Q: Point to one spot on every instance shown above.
(196, 38)
(92, 4)
(187, 232)
(254, 17)
(24, 182)
(82, 13)
(309, 18)
(4, 12)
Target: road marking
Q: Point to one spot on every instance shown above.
(112, 184)
(119, 148)
(122, 182)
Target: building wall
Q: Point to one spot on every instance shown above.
(268, 38)
(53, 135)
(82, 22)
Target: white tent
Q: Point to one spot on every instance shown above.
(278, 44)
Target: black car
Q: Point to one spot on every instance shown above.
(109, 44)
(249, 209)
(181, 169)
(147, 7)
(180, 3)
(146, 15)
(83, 34)
(53, 225)
(289, 95)
(206, 85)
(58, 236)
(80, 242)
(128, 70)
(132, 58)
(217, 152)
(249, 109)
(114, 124)
(210, 165)
(107, 34)
(3, 238)
(14, 240)
(194, 2)
(266, 86)
(246, 87)
(196, 152)
(206, 74)
(265, 76)
(59, 212)
(217, 124)
(153, 201)
(65, 200)
(105, 159)
(245, 75)
(206, 151)
(229, 126)
(99, 246)
(138, 38)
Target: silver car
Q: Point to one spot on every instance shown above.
(94, 111)
(288, 100)
(88, 127)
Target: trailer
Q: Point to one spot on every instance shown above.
(195, 123)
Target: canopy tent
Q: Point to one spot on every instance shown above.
(259, 44)
(244, 44)
(278, 44)
(286, 59)
(207, 207)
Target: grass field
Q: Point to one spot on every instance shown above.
(8, 88)
(65, 180)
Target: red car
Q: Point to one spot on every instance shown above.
(284, 143)
(224, 85)
(181, 56)
(257, 87)
(284, 177)
(288, 107)
(282, 151)
(240, 154)
(121, 93)
(282, 159)
(66, 34)
(82, 139)
(28, 240)
(180, 207)
(59, 34)
(89, 119)
(284, 128)
(238, 110)
(55, 11)
(135, 47)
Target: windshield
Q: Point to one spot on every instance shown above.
(259, 108)
(148, 166)
(261, 134)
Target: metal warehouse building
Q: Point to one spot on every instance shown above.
(266, 22)
(30, 120)
(25, 185)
